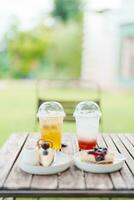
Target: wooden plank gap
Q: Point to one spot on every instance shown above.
(125, 172)
(130, 138)
(123, 150)
(127, 144)
(116, 177)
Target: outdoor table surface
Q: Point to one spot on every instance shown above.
(73, 182)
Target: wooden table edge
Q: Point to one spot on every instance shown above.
(67, 193)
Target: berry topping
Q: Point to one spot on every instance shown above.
(100, 149)
(99, 158)
(105, 148)
(92, 151)
(98, 152)
(45, 152)
(95, 149)
(46, 145)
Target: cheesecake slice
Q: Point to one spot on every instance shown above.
(98, 155)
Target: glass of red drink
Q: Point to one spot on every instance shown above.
(87, 115)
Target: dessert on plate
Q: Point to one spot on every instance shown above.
(46, 155)
(38, 154)
(43, 159)
(98, 155)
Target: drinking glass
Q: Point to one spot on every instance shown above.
(87, 115)
(51, 115)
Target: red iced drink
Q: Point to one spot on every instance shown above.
(87, 144)
(87, 115)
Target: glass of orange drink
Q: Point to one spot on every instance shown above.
(51, 115)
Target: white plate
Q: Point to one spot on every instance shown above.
(100, 168)
(61, 163)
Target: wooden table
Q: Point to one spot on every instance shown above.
(71, 183)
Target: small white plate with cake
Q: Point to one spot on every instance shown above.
(98, 160)
(43, 160)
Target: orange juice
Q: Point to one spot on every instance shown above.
(51, 131)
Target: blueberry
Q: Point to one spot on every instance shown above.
(99, 158)
(45, 146)
(95, 149)
(105, 148)
(45, 152)
(102, 150)
(91, 151)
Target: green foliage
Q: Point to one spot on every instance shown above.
(26, 51)
(43, 51)
(66, 9)
(65, 53)
(4, 64)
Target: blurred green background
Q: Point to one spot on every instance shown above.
(52, 48)
(49, 49)
(18, 108)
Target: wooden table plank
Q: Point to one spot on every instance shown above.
(125, 172)
(8, 154)
(98, 181)
(72, 178)
(117, 180)
(130, 138)
(44, 182)
(123, 150)
(127, 144)
(17, 178)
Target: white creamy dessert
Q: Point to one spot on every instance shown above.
(46, 155)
